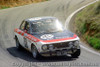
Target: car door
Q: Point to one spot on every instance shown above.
(26, 32)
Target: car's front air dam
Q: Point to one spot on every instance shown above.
(57, 53)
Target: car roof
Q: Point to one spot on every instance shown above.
(34, 19)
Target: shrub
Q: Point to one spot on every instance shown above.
(95, 42)
(87, 24)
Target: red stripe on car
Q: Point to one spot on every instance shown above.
(34, 39)
(54, 40)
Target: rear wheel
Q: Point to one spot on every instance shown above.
(18, 46)
(76, 54)
(35, 53)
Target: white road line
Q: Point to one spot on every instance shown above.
(69, 19)
(90, 50)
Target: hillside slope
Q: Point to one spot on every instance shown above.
(14, 3)
(87, 24)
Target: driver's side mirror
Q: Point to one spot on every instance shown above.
(25, 31)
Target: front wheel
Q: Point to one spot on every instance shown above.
(35, 53)
(18, 46)
(76, 54)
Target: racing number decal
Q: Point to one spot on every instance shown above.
(25, 42)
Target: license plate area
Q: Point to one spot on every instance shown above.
(60, 53)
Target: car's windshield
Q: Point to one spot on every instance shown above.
(46, 26)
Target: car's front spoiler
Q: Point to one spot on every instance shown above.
(58, 52)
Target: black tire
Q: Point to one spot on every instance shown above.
(35, 53)
(18, 46)
(76, 54)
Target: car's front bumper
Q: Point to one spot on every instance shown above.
(63, 52)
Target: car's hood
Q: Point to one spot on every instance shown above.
(55, 35)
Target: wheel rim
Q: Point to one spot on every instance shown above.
(34, 52)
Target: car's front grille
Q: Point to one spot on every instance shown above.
(61, 45)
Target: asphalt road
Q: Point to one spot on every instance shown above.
(11, 18)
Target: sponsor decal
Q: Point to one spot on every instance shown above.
(47, 36)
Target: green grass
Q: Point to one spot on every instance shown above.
(87, 24)
(4, 7)
(93, 41)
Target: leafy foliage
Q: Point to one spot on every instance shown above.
(94, 42)
(88, 24)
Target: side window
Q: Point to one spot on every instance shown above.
(27, 27)
(22, 26)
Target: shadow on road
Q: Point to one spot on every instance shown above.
(25, 55)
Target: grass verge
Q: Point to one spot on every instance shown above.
(87, 24)
(4, 4)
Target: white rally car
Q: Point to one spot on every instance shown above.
(45, 36)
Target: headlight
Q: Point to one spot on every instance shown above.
(76, 43)
(70, 43)
(44, 47)
(51, 47)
